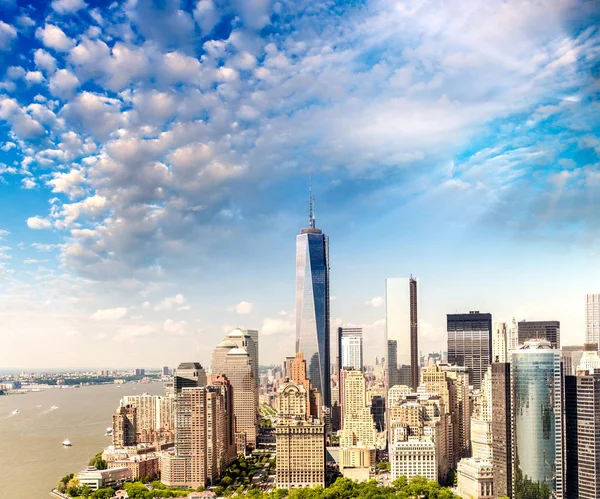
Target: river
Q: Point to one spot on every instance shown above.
(32, 458)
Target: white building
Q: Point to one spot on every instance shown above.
(592, 319)
(499, 342)
(351, 347)
(513, 338)
(475, 479)
(98, 479)
(414, 457)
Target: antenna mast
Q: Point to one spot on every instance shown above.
(311, 204)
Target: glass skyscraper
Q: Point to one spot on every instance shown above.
(537, 417)
(312, 306)
(470, 343)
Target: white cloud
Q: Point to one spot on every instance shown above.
(67, 6)
(69, 183)
(38, 223)
(109, 314)
(131, 333)
(176, 328)
(28, 183)
(44, 60)
(63, 83)
(168, 302)
(243, 307)
(274, 326)
(7, 35)
(375, 302)
(53, 37)
(3, 233)
(34, 77)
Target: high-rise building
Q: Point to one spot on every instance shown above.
(350, 343)
(500, 342)
(501, 430)
(312, 305)
(154, 416)
(470, 342)
(540, 330)
(188, 375)
(481, 420)
(357, 425)
(248, 340)
(124, 424)
(378, 412)
(460, 377)
(571, 356)
(402, 332)
(582, 422)
(415, 456)
(537, 421)
(513, 338)
(592, 318)
(240, 373)
(165, 370)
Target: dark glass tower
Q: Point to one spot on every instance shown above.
(312, 305)
(470, 343)
(540, 330)
(501, 429)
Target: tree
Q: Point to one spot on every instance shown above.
(98, 463)
(219, 490)
(85, 490)
(384, 466)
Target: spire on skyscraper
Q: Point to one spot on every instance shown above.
(311, 205)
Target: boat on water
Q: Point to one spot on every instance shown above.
(54, 407)
(109, 432)
(67, 443)
(16, 411)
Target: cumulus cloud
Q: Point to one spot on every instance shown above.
(176, 328)
(67, 6)
(243, 307)
(109, 314)
(170, 301)
(375, 302)
(44, 60)
(63, 83)
(276, 326)
(7, 35)
(53, 37)
(132, 333)
(38, 223)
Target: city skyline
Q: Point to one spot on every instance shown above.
(154, 162)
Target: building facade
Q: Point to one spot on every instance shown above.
(125, 427)
(402, 332)
(350, 343)
(537, 420)
(500, 342)
(414, 457)
(592, 318)
(540, 330)
(501, 429)
(357, 425)
(470, 343)
(475, 479)
(312, 306)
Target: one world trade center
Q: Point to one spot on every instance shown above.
(312, 304)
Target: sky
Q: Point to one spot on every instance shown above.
(155, 157)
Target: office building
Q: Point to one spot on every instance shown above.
(312, 305)
(140, 372)
(240, 373)
(475, 479)
(414, 457)
(500, 342)
(501, 429)
(248, 340)
(165, 370)
(355, 462)
(300, 454)
(292, 401)
(154, 416)
(402, 332)
(513, 338)
(582, 423)
(99, 479)
(537, 420)
(350, 343)
(357, 425)
(124, 424)
(378, 412)
(188, 375)
(540, 330)
(592, 318)
(460, 376)
(481, 420)
(470, 342)
(571, 357)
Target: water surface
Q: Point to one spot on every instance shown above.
(32, 458)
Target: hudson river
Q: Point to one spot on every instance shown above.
(32, 458)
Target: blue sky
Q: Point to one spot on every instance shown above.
(154, 164)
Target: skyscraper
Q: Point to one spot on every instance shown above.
(501, 430)
(247, 339)
(402, 332)
(537, 421)
(540, 330)
(592, 319)
(312, 305)
(358, 425)
(188, 375)
(351, 348)
(125, 427)
(469, 343)
(500, 342)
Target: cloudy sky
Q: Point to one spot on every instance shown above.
(155, 156)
